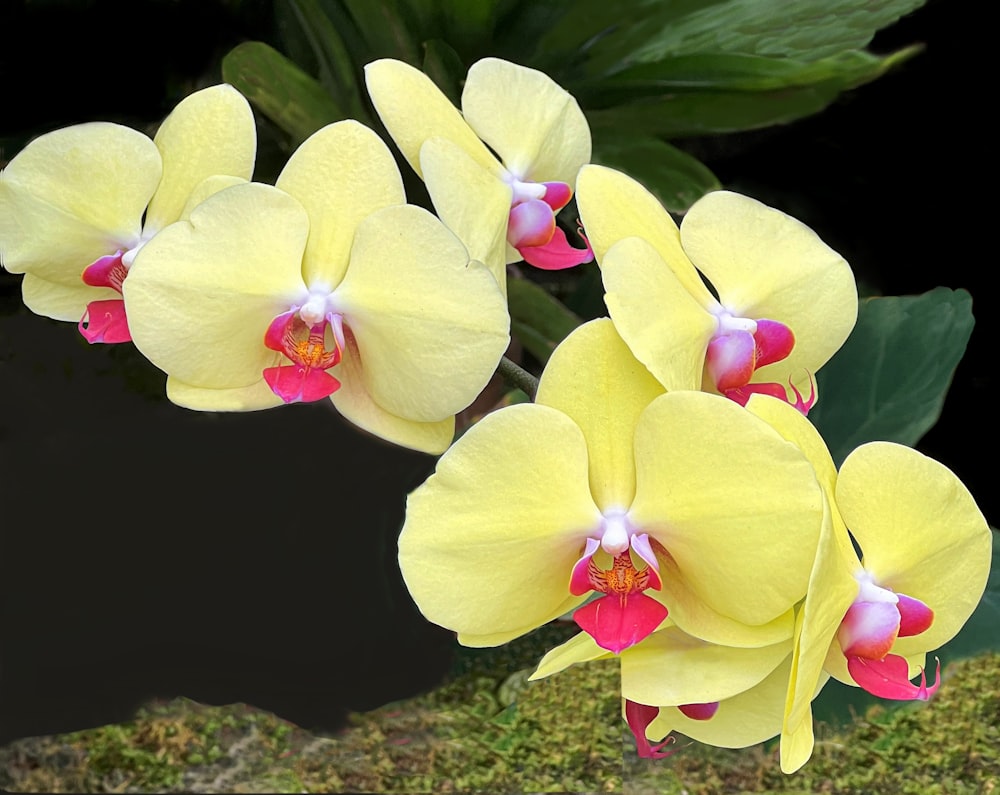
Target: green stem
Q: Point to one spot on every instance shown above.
(518, 377)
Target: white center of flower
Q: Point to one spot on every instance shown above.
(316, 306)
(523, 191)
(130, 254)
(728, 322)
(616, 531)
(870, 592)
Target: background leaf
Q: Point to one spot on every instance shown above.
(676, 178)
(280, 90)
(889, 380)
(540, 321)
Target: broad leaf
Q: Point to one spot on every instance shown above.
(540, 321)
(281, 91)
(806, 30)
(889, 380)
(676, 178)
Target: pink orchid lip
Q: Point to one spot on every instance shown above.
(624, 615)
(304, 380)
(105, 321)
(868, 633)
(704, 711)
(638, 717)
(532, 228)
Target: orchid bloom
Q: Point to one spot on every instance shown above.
(502, 209)
(783, 300)
(608, 489)
(926, 556)
(729, 697)
(77, 204)
(325, 285)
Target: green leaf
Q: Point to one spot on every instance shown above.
(390, 27)
(889, 380)
(807, 30)
(281, 91)
(337, 70)
(676, 178)
(540, 321)
(443, 65)
(712, 94)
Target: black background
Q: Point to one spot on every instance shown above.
(146, 550)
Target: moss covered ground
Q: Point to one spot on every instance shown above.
(487, 729)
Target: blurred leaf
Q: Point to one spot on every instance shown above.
(646, 30)
(390, 27)
(338, 71)
(443, 65)
(722, 72)
(540, 321)
(732, 104)
(676, 178)
(889, 380)
(293, 100)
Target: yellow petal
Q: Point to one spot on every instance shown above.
(736, 506)
(614, 206)
(671, 343)
(688, 610)
(832, 586)
(471, 201)
(535, 126)
(341, 174)
(430, 325)
(74, 195)
(765, 264)
(920, 532)
(748, 718)
(248, 398)
(413, 109)
(578, 649)
(355, 403)
(208, 187)
(201, 294)
(672, 667)
(594, 379)
(210, 132)
(61, 301)
(490, 539)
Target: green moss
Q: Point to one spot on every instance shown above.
(488, 729)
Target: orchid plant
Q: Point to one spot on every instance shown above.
(659, 479)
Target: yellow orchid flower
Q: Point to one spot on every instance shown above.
(502, 209)
(77, 204)
(607, 486)
(783, 300)
(869, 622)
(326, 284)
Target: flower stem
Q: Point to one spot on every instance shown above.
(517, 376)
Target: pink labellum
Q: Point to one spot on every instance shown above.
(914, 616)
(774, 341)
(531, 224)
(731, 359)
(306, 379)
(296, 383)
(107, 271)
(742, 394)
(557, 254)
(557, 195)
(869, 629)
(889, 678)
(638, 717)
(579, 581)
(617, 621)
(699, 711)
(105, 321)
